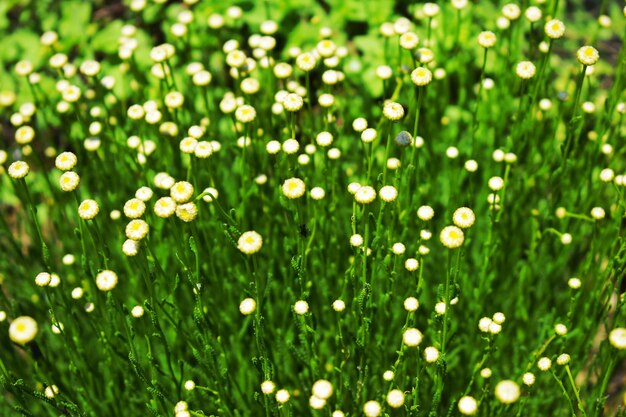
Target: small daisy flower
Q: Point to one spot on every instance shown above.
(23, 330)
(409, 40)
(301, 307)
(511, 11)
(411, 264)
(187, 212)
(250, 242)
(88, 209)
(425, 213)
(554, 29)
(268, 387)
(617, 338)
(388, 193)
(525, 70)
(137, 312)
(370, 134)
(544, 364)
(322, 389)
(588, 55)
(137, 229)
(134, 208)
(247, 306)
(365, 195)
(292, 102)
(468, 405)
(306, 62)
(18, 169)
(487, 39)
(65, 161)
(282, 396)
(339, 306)
(245, 113)
(528, 379)
(24, 135)
(563, 359)
(451, 237)
(507, 391)
(182, 191)
(317, 193)
(431, 354)
(165, 207)
(356, 240)
(42, 279)
(293, 188)
(106, 280)
(463, 217)
(324, 139)
(411, 304)
(574, 283)
(496, 183)
(395, 398)
(130, 247)
(393, 111)
(372, 409)
(69, 181)
(421, 76)
(412, 337)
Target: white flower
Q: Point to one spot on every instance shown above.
(365, 195)
(134, 208)
(18, 169)
(137, 229)
(181, 192)
(431, 354)
(293, 188)
(617, 338)
(411, 304)
(88, 209)
(268, 387)
(388, 193)
(69, 181)
(544, 364)
(421, 76)
(137, 312)
(23, 329)
(395, 398)
(525, 70)
(301, 307)
(412, 337)
(393, 111)
(468, 405)
(463, 217)
(411, 264)
(322, 389)
(43, 279)
(130, 247)
(106, 280)
(372, 409)
(588, 55)
(165, 207)
(507, 391)
(528, 378)
(324, 139)
(486, 39)
(451, 237)
(65, 161)
(339, 305)
(292, 102)
(250, 242)
(282, 396)
(247, 306)
(425, 213)
(187, 212)
(554, 29)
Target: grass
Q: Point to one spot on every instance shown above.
(281, 209)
